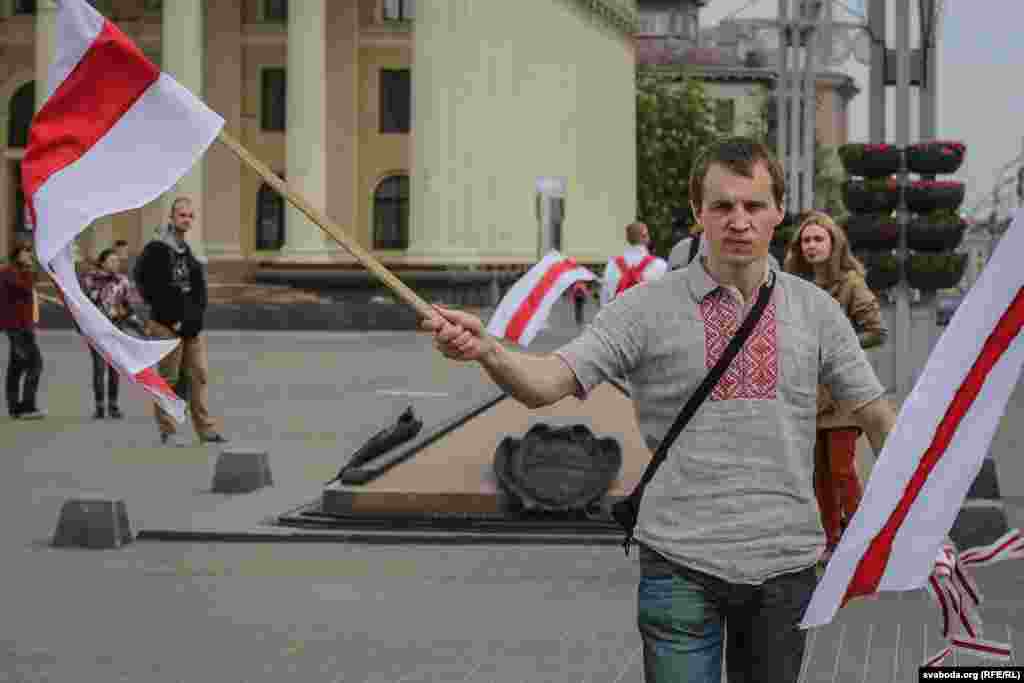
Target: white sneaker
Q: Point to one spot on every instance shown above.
(172, 440)
(33, 415)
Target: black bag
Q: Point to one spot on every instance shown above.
(626, 510)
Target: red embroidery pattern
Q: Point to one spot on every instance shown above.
(754, 373)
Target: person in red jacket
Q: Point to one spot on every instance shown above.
(19, 315)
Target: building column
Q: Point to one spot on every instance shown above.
(224, 170)
(306, 123)
(342, 103)
(182, 55)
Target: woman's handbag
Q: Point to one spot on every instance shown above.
(625, 511)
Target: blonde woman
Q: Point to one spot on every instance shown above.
(820, 252)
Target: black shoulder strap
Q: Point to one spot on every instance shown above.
(702, 392)
(694, 247)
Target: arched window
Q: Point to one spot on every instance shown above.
(391, 213)
(20, 111)
(269, 218)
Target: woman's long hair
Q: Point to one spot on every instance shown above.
(840, 262)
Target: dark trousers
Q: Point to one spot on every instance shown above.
(684, 617)
(99, 369)
(26, 361)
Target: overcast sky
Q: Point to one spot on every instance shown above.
(981, 79)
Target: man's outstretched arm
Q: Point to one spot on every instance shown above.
(533, 380)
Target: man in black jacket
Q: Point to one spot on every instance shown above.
(172, 282)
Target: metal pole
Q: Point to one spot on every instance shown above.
(810, 99)
(795, 113)
(782, 96)
(876, 79)
(929, 56)
(902, 43)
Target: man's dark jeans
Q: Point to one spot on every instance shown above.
(99, 370)
(682, 615)
(26, 360)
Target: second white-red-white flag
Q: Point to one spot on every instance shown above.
(896, 540)
(522, 312)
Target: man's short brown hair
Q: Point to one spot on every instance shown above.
(739, 155)
(635, 232)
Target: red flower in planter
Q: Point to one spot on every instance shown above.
(951, 184)
(953, 146)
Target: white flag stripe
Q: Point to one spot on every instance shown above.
(155, 143)
(921, 536)
(523, 286)
(561, 284)
(78, 27)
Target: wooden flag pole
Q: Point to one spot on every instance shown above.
(330, 227)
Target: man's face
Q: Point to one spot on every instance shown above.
(816, 244)
(182, 217)
(739, 214)
(24, 258)
(645, 235)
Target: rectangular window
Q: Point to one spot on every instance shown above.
(275, 11)
(725, 115)
(274, 102)
(395, 100)
(399, 10)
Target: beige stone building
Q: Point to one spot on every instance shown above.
(425, 162)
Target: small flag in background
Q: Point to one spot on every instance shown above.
(524, 309)
(897, 539)
(114, 134)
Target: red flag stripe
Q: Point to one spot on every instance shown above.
(80, 112)
(872, 565)
(517, 325)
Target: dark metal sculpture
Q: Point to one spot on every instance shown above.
(406, 427)
(561, 469)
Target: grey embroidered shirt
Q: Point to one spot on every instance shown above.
(734, 498)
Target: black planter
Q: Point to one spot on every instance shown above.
(923, 199)
(870, 161)
(932, 158)
(883, 272)
(924, 236)
(859, 198)
(930, 272)
(876, 232)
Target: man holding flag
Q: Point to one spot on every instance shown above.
(729, 526)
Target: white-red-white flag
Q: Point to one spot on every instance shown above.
(897, 539)
(524, 309)
(113, 134)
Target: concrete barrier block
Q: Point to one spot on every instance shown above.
(242, 469)
(93, 523)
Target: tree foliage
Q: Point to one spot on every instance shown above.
(674, 122)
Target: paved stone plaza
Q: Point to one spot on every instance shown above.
(252, 610)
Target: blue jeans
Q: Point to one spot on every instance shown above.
(683, 615)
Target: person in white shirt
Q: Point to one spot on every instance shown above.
(635, 266)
